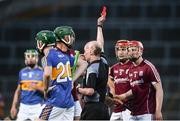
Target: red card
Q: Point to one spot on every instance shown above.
(103, 13)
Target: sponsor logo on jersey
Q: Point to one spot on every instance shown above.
(60, 56)
(24, 74)
(120, 80)
(141, 73)
(137, 82)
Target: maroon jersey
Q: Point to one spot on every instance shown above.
(141, 78)
(74, 92)
(119, 74)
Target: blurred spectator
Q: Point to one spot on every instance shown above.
(2, 105)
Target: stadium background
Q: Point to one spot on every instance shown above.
(154, 22)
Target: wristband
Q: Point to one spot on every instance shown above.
(100, 26)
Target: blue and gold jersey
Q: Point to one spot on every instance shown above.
(61, 63)
(28, 77)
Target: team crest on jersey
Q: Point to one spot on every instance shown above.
(141, 73)
(36, 75)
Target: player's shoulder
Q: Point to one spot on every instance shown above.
(52, 50)
(24, 69)
(129, 63)
(115, 65)
(148, 64)
(39, 68)
(72, 52)
(93, 67)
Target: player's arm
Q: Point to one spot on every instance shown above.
(155, 79)
(111, 81)
(46, 79)
(15, 102)
(91, 82)
(124, 96)
(111, 86)
(86, 91)
(159, 100)
(100, 37)
(81, 67)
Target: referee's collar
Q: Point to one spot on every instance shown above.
(95, 61)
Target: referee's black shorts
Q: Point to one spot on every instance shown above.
(95, 111)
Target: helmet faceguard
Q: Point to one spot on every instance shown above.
(121, 45)
(31, 57)
(45, 38)
(66, 35)
(139, 45)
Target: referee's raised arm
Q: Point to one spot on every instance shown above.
(100, 37)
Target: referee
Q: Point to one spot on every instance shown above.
(95, 81)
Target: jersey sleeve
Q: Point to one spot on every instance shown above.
(92, 79)
(153, 74)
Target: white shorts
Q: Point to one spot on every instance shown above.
(28, 112)
(124, 115)
(52, 113)
(78, 109)
(144, 117)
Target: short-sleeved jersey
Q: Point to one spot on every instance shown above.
(61, 63)
(96, 78)
(27, 77)
(119, 74)
(142, 78)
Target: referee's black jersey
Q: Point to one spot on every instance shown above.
(96, 78)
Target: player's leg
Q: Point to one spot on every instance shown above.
(126, 115)
(52, 113)
(34, 111)
(77, 111)
(23, 112)
(45, 112)
(116, 116)
(145, 117)
(68, 115)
